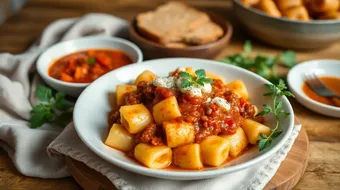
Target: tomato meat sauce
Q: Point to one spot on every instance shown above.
(87, 66)
(333, 83)
(208, 119)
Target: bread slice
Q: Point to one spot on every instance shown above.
(176, 45)
(170, 22)
(204, 34)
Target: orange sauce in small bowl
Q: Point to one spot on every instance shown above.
(87, 66)
(333, 83)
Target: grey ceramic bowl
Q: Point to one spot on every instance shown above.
(286, 33)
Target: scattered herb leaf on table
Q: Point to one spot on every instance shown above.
(260, 64)
(52, 109)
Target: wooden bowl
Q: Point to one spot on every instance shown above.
(152, 50)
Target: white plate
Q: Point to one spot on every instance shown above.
(295, 80)
(90, 115)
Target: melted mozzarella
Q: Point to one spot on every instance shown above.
(222, 103)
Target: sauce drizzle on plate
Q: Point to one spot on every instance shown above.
(333, 83)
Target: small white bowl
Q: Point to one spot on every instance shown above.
(64, 48)
(92, 106)
(321, 68)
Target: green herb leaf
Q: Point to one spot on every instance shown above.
(200, 73)
(288, 58)
(268, 94)
(61, 103)
(260, 64)
(267, 110)
(205, 80)
(278, 105)
(52, 110)
(275, 93)
(282, 85)
(262, 144)
(247, 47)
(90, 61)
(287, 93)
(200, 79)
(43, 93)
(185, 75)
(186, 83)
(64, 119)
(276, 134)
(263, 136)
(40, 114)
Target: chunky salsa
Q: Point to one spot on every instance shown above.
(87, 66)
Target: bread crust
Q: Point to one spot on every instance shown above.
(175, 22)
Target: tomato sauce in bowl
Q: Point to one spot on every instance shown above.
(86, 66)
(333, 83)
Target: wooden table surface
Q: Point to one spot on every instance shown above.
(16, 34)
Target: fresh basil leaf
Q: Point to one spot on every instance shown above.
(288, 58)
(43, 93)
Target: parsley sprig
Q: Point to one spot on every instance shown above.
(275, 92)
(200, 78)
(260, 64)
(52, 109)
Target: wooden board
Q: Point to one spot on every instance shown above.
(287, 176)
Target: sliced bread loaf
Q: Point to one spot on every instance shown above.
(170, 22)
(203, 34)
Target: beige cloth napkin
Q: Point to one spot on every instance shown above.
(40, 152)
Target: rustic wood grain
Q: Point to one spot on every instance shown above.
(23, 28)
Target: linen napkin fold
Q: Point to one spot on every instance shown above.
(40, 152)
(26, 146)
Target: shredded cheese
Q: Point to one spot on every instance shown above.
(222, 103)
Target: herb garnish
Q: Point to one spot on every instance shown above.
(260, 64)
(200, 78)
(90, 61)
(275, 92)
(52, 109)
